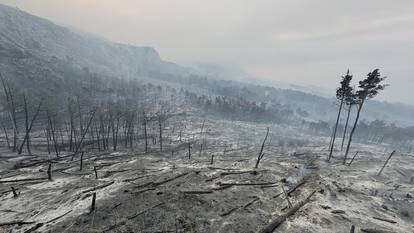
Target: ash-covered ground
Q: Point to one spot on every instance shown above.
(215, 189)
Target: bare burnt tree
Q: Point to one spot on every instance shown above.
(79, 146)
(261, 154)
(28, 126)
(115, 128)
(51, 128)
(11, 109)
(144, 121)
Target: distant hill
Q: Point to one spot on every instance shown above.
(25, 36)
(41, 55)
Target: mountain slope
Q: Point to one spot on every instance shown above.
(22, 35)
(40, 55)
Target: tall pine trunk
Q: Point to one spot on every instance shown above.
(336, 127)
(353, 131)
(346, 127)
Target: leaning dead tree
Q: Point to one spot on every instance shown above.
(11, 109)
(92, 114)
(29, 126)
(261, 154)
(386, 162)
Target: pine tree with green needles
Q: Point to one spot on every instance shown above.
(343, 92)
(368, 89)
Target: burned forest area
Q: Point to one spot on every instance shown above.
(104, 137)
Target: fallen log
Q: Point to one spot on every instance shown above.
(131, 217)
(136, 178)
(170, 179)
(76, 173)
(245, 184)
(282, 218)
(385, 220)
(251, 202)
(229, 211)
(197, 192)
(34, 228)
(222, 187)
(269, 186)
(368, 230)
(98, 187)
(58, 217)
(253, 172)
(21, 180)
(15, 223)
(143, 190)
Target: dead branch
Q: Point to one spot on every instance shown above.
(287, 197)
(15, 195)
(291, 190)
(352, 160)
(279, 220)
(98, 187)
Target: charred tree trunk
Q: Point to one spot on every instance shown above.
(11, 107)
(189, 150)
(52, 133)
(115, 131)
(84, 133)
(7, 136)
(260, 156)
(346, 127)
(335, 129)
(160, 129)
(386, 162)
(49, 172)
(145, 132)
(28, 126)
(353, 130)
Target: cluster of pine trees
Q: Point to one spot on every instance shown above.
(348, 96)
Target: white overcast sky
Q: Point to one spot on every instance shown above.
(307, 42)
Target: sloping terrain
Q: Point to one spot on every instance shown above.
(36, 53)
(170, 192)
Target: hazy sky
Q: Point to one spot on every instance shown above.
(294, 41)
